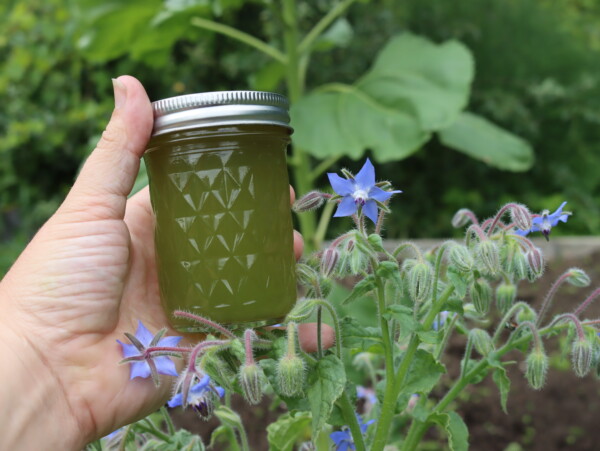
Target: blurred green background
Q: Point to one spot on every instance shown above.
(536, 75)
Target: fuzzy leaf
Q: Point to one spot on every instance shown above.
(404, 316)
(424, 373)
(354, 335)
(458, 434)
(326, 383)
(363, 287)
(503, 383)
(458, 281)
(285, 432)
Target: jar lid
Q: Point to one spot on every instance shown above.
(221, 108)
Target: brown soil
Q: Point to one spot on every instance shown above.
(560, 416)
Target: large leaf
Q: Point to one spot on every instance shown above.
(284, 433)
(326, 383)
(458, 434)
(424, 373)
(482, 140)
(414, 87)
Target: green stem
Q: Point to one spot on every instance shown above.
(336, 325)
(243, 437)
(239, 36)
(168, 420)
(323, 166)
(351, 420)
(447, 333)
(387, 411)
(319, 338)
(321, 26)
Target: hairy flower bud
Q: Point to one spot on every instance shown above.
(290, 375)
(461, 258)
(306, 274)
(521, 217)
(581, 356)
(577, 277)
(461, 218)
(506, 293)
(526, 314)
(308, 202)
(250, 381)
(488, 257)
(329, 261)
(357, 261)
(535, 262)
(520, 266)
(420, 279)
(482, 341)
(481, 295)
(537, 367)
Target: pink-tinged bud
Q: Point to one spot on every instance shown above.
(582, 353)
(535, 262)
(521, 217)
(350, 244)
(537, 367)
(461, 218)
(308, 202)
(577, 277)
(329, 261)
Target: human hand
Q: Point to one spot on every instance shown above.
(86, 278)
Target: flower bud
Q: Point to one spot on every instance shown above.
(581, 356)
(535, 262)
(306, 274)
(329, 261)
(521, 217)
(420, 279)
(308, 202)
(250, 381)
(290, 375)
(461, 218)
(526, 314)
(481, 296)
(537, 367)
(357, 262)
(461, 258)
(577, 277)
(376, 242)
(520, 267)
(506, 293)
(482, 341)
(488, 257)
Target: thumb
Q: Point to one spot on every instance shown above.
(108, 175)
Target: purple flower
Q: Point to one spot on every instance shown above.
(343, 439)
(359, 191)
(368, 394)
(142, 340)
(544, 222)
(201, 397)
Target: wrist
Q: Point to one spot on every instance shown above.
(35, 413)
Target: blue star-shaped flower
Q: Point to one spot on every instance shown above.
(200, 397)
(144, 339)
(359, 191)
(343, 439)
(544, 222)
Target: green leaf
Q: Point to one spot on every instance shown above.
(285, 432)
(339, 34)
(480, 139)
(326, 383)
(435, 79)
(301, 311)
(228, 416)
(388, 269)
(404, 316)
(459, 282)
(363, 287)
(503, 383)
(431, 337)
(424, 373)
(354, 335)
(458, 434)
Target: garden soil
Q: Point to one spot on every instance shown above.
(564, 415)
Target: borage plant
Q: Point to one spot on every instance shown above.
(420, 298)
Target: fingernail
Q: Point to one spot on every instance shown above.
(120, 93)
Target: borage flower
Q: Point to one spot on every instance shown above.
(359, 192)
(143, 365)
(201, 396)
(544, 222)
(343, 439)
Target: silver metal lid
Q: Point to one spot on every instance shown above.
(222, 108)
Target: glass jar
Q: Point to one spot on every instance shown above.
(220, 193)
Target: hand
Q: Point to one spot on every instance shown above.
(85, 279)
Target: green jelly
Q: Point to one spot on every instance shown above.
(223, 233)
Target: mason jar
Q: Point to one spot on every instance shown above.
(220, 193)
